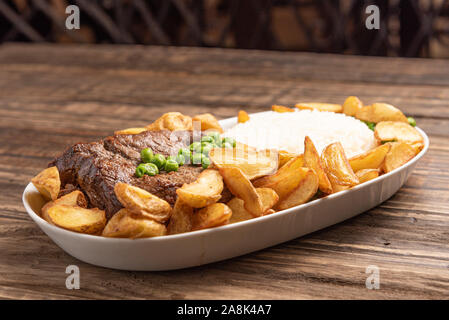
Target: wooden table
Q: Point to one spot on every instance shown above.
(53, 96)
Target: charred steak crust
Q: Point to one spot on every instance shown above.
(96, 167)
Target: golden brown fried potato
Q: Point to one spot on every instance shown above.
(171, 121)
(378, 112)
(329, 107)
(371, 159)
(281, 109)
(352, 105)
(214, 215)
(417, 146)
(254, 163)
(285, 157)
(337, 166)
(142, 203)
(387, 131)
(312, 160)
(131, 131)
(286, 179)
(242, 116)
(204, 191)
(239, 213)
(337, 187)
(181, 218)
(208, 122)
(269, 198)
(399, 154)
(365, 175)
(75, 198)
(90, 221)
(303, 192)
(241, 187)
(126, 225)
(48, 184)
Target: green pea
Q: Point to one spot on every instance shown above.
(185, 152)
(216, 136)
(171, 165)
(230, 141)
(205, 162)
(195, 147)
(152, 169)
(370, 125)
(159, 161)
(411, 121)
(206, 147)
(146, 155)
(196, 158)
(180, 159)
(208, 139)
(140, 171)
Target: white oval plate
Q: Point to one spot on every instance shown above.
(210, 245)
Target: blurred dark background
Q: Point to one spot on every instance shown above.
(410, 28)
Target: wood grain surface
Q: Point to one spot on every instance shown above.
(53, 96)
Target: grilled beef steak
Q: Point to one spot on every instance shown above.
(96, 167)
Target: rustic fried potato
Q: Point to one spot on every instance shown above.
(254, 163)
(241, 187)
(242, 116)
(303, 192)
(337, 166)
(417, 146)
(208, 122)
(281, 109)
(352, 105)
(312, 160)
(269, 198)
(142, 203)
(371, 159)
(286, 179)
(399, 154)
(172, 121)
(214, 215)
(75, 198)
(329, 107)
(131, 131)
(181, 218)
(90, 221)
(48, 184)
(204, 191)
(365, 175)
(337, 187)
(126, 225)
(387, 131)
(378, 112)
(285, 157)
(239, 213)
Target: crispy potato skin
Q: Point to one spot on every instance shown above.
(351, 106)
(75, 198)
(329, 107)
(371, 159)
(90, 221)
(181, 218)
(208, 122)
(313, 161)
(399, 154)
(239, 213)
(204, 191)
(171, 121)
(214, 215)
(365, 175)
(337, 166)
(281, 109)
(242, 116)
(48, 183)
(285, 157)
(126, 225)
(378, 112)
(398, 131)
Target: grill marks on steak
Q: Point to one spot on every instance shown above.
(96, 167)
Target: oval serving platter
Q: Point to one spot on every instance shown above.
(211, 245)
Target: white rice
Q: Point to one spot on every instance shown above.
(286, 131)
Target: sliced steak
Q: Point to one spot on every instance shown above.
(96, 167)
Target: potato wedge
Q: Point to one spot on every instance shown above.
(254, 163)
(214, 215)
(329, 107)
(242, 117)
(204, 191)
(371, 159)
(281, 109)
(365, 175)
(241, 187)
(304, 191)
(239, 213)
(312, 160)
(399, 154)
(208, 122)
(48, 184)
(286, 179)
(181, 218)
(285, 157)
(142, 203)
(378, 112)
(387, 131)
(417, 146)
(124, 224)
(75, 198)
(351, 106)
(269, 198)
(131, 131)
(337, 166)
(90, 221)
(172, 121)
